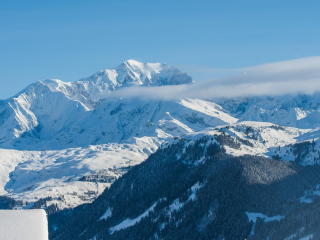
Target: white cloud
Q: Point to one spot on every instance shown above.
(287, 77)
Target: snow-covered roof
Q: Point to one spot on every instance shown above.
(23, 225)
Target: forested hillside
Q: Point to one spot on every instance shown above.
(192, 189)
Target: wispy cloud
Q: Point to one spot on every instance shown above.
(287, 77)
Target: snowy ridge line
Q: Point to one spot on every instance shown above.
(262, 139)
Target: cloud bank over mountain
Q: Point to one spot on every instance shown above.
(287, 77)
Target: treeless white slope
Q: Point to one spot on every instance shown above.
(44, 120)
(23, 225)
(31, 175)
(296, 110)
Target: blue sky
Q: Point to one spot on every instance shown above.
(73, 39)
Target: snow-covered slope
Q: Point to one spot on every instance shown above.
(44, 121)
(268, 140)
(70, 174)
(36, 109)
(117, 134)
(299, 110)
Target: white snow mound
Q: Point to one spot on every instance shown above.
(23, 225)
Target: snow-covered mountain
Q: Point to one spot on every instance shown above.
(90, 90)
(68, 140)
(297, 110)
(57, 110)
(54, 133)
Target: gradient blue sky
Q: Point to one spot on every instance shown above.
(73, 39)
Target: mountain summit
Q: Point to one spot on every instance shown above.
(150, 74)
(45, 108)
(91, 89)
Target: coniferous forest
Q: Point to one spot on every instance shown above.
(199, 192)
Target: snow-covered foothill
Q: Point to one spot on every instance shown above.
(264, 139)
(31, 175)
